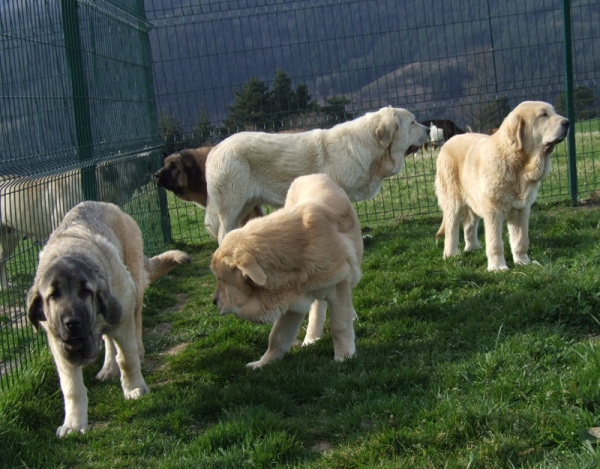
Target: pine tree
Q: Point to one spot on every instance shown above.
(202, 131)
(251, 108)
(172, 134)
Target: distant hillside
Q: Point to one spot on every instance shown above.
(423, 55)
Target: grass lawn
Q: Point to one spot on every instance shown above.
(456, 367)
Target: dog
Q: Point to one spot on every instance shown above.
(255, 168)
(89, 285)
(273, 268)
(31, 207)
(497, 177)
(449, 129)
(183, 173)
(436, 136)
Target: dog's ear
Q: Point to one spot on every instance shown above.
(192, 169)
(514, 131)
(35, 307)
(384, 132)
(250, 269)
(108, 305)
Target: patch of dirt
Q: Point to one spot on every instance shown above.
(163, 328)
(175, 350)
(322, 446)
(181, 299)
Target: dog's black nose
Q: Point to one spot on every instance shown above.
(566, 124)
(72, 323)
(215, 301)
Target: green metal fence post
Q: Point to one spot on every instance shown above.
(147, 58)
(572, 157)
(81, 110)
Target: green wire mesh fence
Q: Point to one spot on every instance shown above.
(77, 121)
(271, 65)
(93, 92)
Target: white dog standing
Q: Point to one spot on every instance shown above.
(497, 178)
(253, 168)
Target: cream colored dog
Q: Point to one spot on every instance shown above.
(31, 207)
(272, 269)
(497, 178)
(254, 168)
(89, 285)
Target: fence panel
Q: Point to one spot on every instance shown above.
(77, 121)
(220, 67)
(92, 90)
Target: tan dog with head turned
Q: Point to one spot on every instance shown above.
(275, 267)
(497, 177)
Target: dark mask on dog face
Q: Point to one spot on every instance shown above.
(69, 296)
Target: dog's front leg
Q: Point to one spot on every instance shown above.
(518, 231)
(281, 338)
(341, 321)
(132, 381)
(75, 396)
(316, 322)
(494, 247)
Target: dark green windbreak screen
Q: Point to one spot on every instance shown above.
(77, 122)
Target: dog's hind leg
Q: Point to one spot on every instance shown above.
(452, 216)
(341, 321)
(110, 369)
(316, 321)
(470, 227)
(281, 338)
(518, 232)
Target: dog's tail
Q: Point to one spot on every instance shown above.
(158, 266)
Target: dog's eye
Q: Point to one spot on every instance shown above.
(54, 294)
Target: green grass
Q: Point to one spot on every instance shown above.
(588, 126)
(456, 367)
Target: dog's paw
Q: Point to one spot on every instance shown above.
(453, 253)
(472, 246)
(64, 430)
(255, 365)
(309, 341)
(496, 263)
(340, 357)
(136, 393)
(108, 373)
(522, 259)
